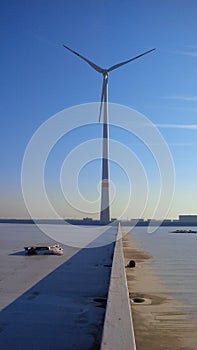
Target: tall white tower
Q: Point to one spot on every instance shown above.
(105, 207)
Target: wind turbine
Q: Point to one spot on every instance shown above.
(105, 209)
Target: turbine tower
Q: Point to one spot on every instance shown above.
(105, 208)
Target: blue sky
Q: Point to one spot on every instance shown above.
(39, 78)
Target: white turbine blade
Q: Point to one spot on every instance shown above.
(102, 96)
(131, 59)
(93, 65)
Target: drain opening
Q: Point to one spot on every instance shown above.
(138, 300)
(131, 263)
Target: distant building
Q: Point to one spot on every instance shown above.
(137, 219)
(188, 218)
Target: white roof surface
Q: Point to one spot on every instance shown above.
(47, 302)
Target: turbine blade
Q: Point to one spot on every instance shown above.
(105, 80)
(102, 97)
(131, 59)
(93, 65)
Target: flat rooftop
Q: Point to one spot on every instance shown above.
(53, 302)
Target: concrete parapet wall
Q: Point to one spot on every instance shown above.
(118, 326)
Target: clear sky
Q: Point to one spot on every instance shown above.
(39, 78)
